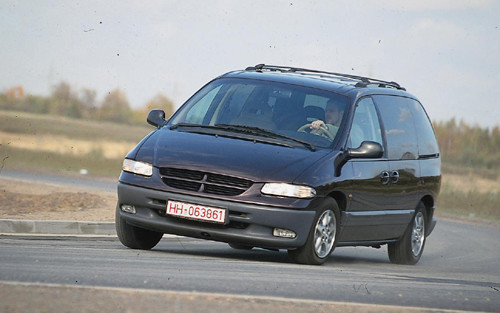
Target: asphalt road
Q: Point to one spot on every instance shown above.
(459, 269)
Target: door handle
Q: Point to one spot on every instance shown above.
(384, 177)
(394, 177)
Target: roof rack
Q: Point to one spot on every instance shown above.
(361, 80)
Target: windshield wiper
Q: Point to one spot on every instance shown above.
(246, 129)
(264, 132)
(192, 125)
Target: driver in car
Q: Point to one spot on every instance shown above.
(333, 116)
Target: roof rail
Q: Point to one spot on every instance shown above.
(361, 80)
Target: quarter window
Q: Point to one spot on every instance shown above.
(427, 143)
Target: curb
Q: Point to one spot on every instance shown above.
(57, 227)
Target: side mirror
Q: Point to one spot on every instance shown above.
(367, 150)
(157, 118)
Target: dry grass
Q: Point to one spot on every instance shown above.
(64, 145)
(470, 183)
(39, 125)
(470, 196)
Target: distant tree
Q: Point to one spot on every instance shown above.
(160, 101)
(36, 104)
(13, 99)
(16, 99)
(5, 102)
(468, 146)
(115, 107)
(88, 98)
(64, 101)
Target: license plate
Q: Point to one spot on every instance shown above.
(196, 212)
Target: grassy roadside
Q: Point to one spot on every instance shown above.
(469, 204)
(37, 124)
(64, 146)
(61, 164)
(43, 143)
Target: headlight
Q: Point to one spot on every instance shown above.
(288, 190)
(137, 167)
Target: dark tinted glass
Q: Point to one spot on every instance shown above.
(427, 143)
(398, 126)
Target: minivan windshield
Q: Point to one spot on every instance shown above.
(302, 115)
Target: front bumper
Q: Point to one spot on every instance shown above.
(249, 224)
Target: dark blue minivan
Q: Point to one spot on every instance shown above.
(286, 158)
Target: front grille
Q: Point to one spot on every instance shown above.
(204, 182)
(182, 184)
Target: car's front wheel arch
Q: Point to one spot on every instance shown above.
(322, 237)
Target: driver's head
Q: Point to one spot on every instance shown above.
(334, 112)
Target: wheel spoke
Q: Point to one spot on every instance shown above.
(317, 244)
(418, 234)
(324, 234)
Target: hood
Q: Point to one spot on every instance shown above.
(254, 160)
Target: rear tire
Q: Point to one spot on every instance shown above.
(410, 248)
(135, 237)
(322, 237)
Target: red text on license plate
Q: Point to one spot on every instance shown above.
(196, 212)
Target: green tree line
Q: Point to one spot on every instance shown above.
(65, 100)
(470, 146)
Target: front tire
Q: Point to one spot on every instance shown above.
(322, 237)
(410, 248)
(135, 237)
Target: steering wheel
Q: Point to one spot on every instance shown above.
(322, 131)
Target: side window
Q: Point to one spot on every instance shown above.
(399, 127)
(365, 125)
(198, 111)
(427, 143)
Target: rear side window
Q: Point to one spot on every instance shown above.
(399, 127)
(427, 143)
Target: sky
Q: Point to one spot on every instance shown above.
(445, 52)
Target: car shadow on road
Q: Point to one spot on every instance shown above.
(202, 248)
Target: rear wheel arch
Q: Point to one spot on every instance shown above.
(410, 246)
